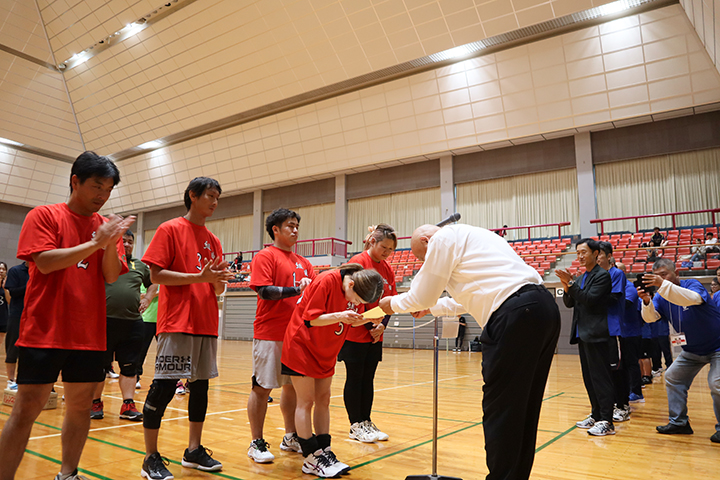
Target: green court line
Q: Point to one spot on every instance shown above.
(550, 442)
(392, 454)
(414, 416)
(55, 460)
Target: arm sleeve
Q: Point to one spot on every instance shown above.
(678, 295)
(447, 306)
(13, 284)
(568, 300)
(430, 281)
(649, 312)
(271, 292)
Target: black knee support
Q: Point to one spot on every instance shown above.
(158, 398)
(128, 370)
(198, 402)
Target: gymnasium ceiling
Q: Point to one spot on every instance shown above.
(196, 65)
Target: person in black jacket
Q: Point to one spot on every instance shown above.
(589, 295)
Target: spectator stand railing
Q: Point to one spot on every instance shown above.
(316, 247)
(559, 226)
(672, 215)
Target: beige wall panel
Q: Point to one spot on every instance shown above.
(216, 58)
(35, 107)
(21, 29)
(30, 180)
(489, 99)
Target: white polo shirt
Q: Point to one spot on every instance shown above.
(476, 266)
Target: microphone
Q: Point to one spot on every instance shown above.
(451, 219)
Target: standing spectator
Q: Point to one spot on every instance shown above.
(313, 339)
(616, 312)
(502, 232)
(657, 240)
(186, 258)
(15, 285)
(279, 276)
(488, 280)
(149, 316)
(362, 350)
(590, 297)
(4, 298)
(631, 339)
(460, 339)
(65, 247)
(693, 315)
(124, 331)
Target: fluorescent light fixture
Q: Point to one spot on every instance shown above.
(615, 7)
(456, 52)
(151, 145)
(6, 141)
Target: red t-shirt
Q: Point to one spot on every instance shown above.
(64, 309)
(312, 351)
(274, 266)
(181, 246)
(362, 334)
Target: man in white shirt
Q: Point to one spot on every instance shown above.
(521, 321)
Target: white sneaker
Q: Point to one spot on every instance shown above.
(589, 422)
(621, 414)
(320, 465)
(360, 432)
(11, 385)
(379, 436)
(259, 452)
(333, 459)
(657, 373)
(602, 428)
(290, 443)
(137, 385)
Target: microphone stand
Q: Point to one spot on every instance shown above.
(434, 475)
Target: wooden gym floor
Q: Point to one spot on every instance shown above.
(403, 409)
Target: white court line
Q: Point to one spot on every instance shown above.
(244, 409)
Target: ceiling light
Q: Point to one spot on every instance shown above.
(615, 7)
(151, 145)
(5, 141)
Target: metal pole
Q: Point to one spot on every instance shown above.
(435, 398)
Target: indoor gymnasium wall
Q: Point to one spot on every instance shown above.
(668, 183)
(538, 198)
(316, 221)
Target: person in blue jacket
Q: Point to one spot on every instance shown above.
(696, 319)
(631, 339)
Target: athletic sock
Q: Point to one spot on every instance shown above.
(128, 400)
(308, 445)
(97, 400)
(323, 441)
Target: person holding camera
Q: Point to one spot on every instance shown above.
(696, 319)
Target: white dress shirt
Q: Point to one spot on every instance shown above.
(476, 266)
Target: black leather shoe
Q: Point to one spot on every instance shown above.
(715, 438)
(671, 429)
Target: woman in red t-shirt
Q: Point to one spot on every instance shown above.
(329, 307)
(362, 350)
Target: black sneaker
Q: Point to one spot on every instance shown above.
(672, 429)
(201, 459)
(154, 468)
(715, 438)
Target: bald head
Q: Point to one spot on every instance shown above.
(420, 238)
(621, 266)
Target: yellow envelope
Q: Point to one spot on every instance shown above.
(376, 312)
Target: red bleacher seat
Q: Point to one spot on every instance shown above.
(713, 264)
(637, 268)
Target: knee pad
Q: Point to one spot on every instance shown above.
(128, 370)
(198, 401)
(158, 398)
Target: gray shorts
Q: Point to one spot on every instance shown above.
(266, 364)
(185, 356)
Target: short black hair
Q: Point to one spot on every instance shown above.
(90, 164)
(593, 245)
(276, 219)
(606, 247)
(198, 185)
(709, 233)
(656, 228)
(129, 234)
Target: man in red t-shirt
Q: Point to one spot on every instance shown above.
(186, 258)
(279, 276)
(66, 247)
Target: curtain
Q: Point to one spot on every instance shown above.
(404, 211)
(668, 183)
(235, 233)
(316, 221)
(538, 198)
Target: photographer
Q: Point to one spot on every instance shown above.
(696, 319)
